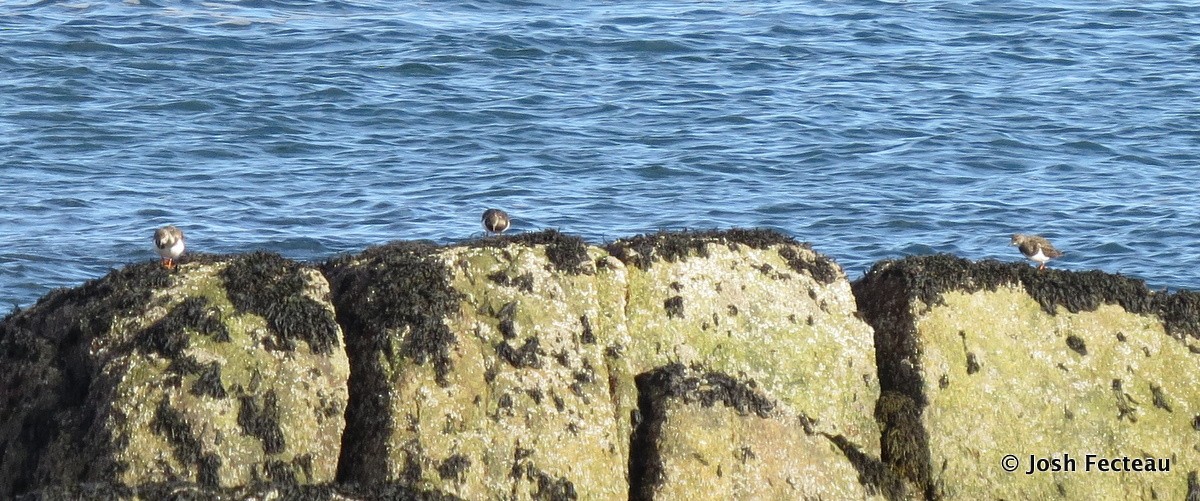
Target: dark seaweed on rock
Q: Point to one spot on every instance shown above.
(268, 285)
(399, 289)
(50, 369)
(1181, 314)
(548, 488)
(164, 338)
(567, 253)
(676, 382)
(209, 382)
(822, 269)
(527, 356)
(168, 337)
(16, 309)
(262, 421)
(173, 426)
(124, 292)
(878, 477)
(904, 444)
(279, 472)
(524, 282)
(644, 250)
(707, 388)
(454, 468)
(588, 336)
(674, 307)
(198, 314)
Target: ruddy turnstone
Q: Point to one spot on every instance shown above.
(1035, 248)
(495, 221)
(168, 241)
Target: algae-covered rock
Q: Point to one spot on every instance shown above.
(482, 370)
(226, 372)
(979, 361)
(760, 306)
(707, 435)
(506, 368)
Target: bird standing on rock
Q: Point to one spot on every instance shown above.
(168, 241)
(1035, 248)
(495, 221)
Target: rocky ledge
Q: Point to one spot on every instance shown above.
(712, 365)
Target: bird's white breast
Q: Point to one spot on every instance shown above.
(173, 251)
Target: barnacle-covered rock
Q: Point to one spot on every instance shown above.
(507, 367)
(761, 306)
(226, 372)
(481, 370)
(981, 360)
(764, 450)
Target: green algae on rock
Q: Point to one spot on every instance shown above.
(765, 450)
(135, 378)
(981, 360)
(747, 302)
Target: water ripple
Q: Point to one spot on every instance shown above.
(873, 129)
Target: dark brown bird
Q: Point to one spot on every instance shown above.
(495, 221)
(1035, 248)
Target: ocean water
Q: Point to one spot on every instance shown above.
(872, 129)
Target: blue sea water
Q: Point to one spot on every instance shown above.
(873, 129)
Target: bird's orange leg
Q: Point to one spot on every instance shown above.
(168, 263)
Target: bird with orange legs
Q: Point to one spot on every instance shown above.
(168, 241)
